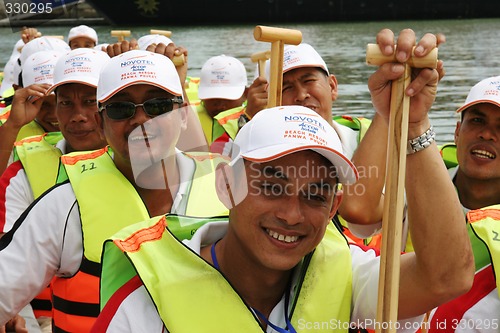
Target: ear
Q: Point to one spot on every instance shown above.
(334, 87)
(457, 131)
(337, 199)
(224, 179)
(231, 183)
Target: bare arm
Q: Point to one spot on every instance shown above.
(363, 202)
(442, 266)
(24, 109)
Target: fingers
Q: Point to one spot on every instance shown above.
(405, 43)
(384, 75)
(425, 78)
(441, 38)
(31, 93)
(121, 47)
(385, 40)
(426, 44)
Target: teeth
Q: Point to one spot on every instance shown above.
(141, 138)
(283, 238)
(483, 154)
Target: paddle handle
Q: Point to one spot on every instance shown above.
(120, 34)
(260, 58)
(375, 57)
(165, 33)
(278, 37)
(178, 60)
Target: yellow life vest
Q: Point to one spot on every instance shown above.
(449, 154)
(30, 129)
(225, 121)
(191, 87)
(108, 202)
(229, 120)
(183, 286)
(485, 223)
(40, 159)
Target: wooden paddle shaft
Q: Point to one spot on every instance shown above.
(375, 57)
(278, 37)
(388, 293)
(260, 58)
(120, 34)
(165, 33)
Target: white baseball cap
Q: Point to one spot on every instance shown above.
(82, 31)
(79, 66)
(147, 40)
(279, 131)
(485, 91)
(41, 44)
(299, 56)
(222, 77)
(39, 67)
(138, 67)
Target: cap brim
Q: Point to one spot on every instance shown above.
(307, 66)
(231, 93)
(91, 82)
(82, 36)
(108, 95)
(346, 171)
(468, 105)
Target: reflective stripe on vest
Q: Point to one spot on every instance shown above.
(229, 120)
(191, 87)
(107, 203)
(324, 290)
(183, 227)
(225, 122)
(40, 159)
(485, 223)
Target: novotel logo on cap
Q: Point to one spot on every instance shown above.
(43, 67)
(305, 120)
(77, 60)
(137, 62)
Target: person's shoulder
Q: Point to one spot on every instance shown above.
(130, 307)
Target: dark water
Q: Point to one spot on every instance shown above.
(471, 53)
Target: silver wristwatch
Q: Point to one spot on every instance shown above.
(421, 142)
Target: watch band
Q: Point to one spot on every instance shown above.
(421, 142)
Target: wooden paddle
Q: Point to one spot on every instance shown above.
(388, 292)
(278, 37)
(120, 34)
(260, 58)
(165, 33)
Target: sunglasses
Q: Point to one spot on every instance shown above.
(153, 107)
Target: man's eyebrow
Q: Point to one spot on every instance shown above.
(475, 112)
(271, 171)
(302, 77)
